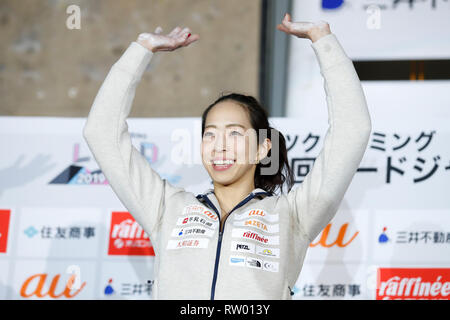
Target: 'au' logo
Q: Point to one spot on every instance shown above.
(339, 239)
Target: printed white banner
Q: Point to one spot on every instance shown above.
(393, 215)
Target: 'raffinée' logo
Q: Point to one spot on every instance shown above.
(126, 236)
(413, 283)
(254, 236)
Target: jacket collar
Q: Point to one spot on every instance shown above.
(256, 191)
(209, 196)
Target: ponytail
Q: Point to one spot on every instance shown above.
(283, 173)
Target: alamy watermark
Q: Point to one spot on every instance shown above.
(189, 147)
(73, 21)
(374, 19)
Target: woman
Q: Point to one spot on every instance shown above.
(237, 240)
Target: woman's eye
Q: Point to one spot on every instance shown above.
(207, 134)
(236, 132)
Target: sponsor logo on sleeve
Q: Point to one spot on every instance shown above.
(255, 236)
(188, 243)
(191, 209)
(196, 209)
(257, 213)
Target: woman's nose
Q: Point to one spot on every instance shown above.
(220, 143)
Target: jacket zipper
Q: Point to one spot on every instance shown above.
(219, 244)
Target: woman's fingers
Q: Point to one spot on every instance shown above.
(179, 32)
(185, 30)
(287, 21)
(192, 38)
(303, 29)
(183, 35)
(288, 17)
(178, 37)
(281, 27)
(174, 32)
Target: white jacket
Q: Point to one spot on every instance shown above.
(261, 250)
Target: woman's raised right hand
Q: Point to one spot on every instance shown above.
(174, 40)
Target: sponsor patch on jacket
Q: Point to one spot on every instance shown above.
(188, 243)
(270, 266)
(237, 261)
(255, 236)
(195, 219)
(268, 252)
(254, 263)
(201, 210)
(247, 247)
(243, 247)
(270, 228)
(189, 231)
(257, 213)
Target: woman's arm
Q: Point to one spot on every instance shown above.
(136, 184)
(315, 201)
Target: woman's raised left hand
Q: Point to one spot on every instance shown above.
(309, 30)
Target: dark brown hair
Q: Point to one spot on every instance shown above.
(259, 120)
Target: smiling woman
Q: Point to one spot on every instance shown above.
(237, 240)
(237, 141)
(235, 128)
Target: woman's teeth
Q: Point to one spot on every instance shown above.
(223, 162)
(222, 165)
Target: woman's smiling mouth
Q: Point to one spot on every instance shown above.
(222, 164)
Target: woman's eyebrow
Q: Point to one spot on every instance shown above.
(228, 125)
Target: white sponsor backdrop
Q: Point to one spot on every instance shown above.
(396, 212)
(384, 29)
(390, 30)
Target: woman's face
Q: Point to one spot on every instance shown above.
(229, 144)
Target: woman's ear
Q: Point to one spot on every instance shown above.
(263, 150)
